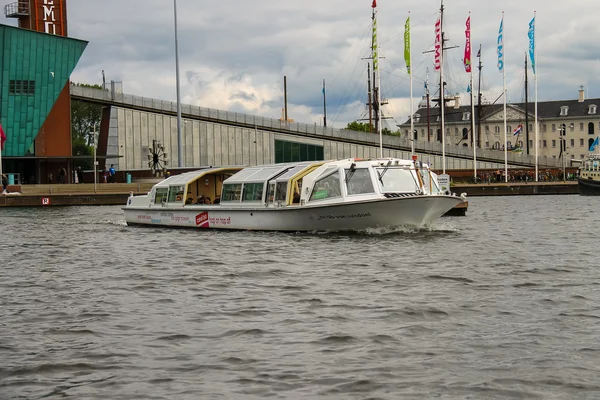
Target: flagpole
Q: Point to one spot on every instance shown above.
(412, 125)
(472, 106)
(377, 77)
(504, 85)
(324, 106)
(535, 74)
(442, 97)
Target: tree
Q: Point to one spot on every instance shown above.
(84, 117)
(364, 127)
(358, 126)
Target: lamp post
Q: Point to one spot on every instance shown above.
(179, 144)
(95, 139)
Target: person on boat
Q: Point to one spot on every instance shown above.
(200, 199)
(207, 201)
(189, 200)
(217, 200)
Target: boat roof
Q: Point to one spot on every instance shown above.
(261, 173)
(191, 176)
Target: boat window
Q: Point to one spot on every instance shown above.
(161, 195)
(358, 181)
(396, 180)
(271, 192)
(232, 192)
(281, 192)
(253, 191)
(175, 193)
(327, 187)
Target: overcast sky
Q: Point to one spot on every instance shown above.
(234, 53)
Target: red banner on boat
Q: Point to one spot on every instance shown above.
(467, 59)
(438, 44)
(374, 4)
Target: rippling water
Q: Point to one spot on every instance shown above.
(503, 303)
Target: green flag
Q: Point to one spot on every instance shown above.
(407, 44)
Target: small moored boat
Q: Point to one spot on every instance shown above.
(589, 176)
(343, 195)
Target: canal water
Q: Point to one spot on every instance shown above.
(503, 303)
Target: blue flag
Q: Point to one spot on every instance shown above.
(469, 88)
(593, 146)
(531, 35)
(501, 46)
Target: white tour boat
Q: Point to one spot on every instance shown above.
(343, 195)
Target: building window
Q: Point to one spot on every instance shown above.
(497, 129)
(437, 119)
(544, 128)
(582, 156)
(530, 127)
(590, 143)
(544, 144)
(465, 134)
(294, 151)
(439, 135)
(553, 143)
(509, 129)
(591, 128)
(572, 126)
(572, 142)
(423, 133)
(455, 131)
(581, 141)
(487, 145)
(531, 143)
(487, 129)
(466, 116)
(553, 127)
(592, 109)
(564, 110)
(581, 126)
(21, 87)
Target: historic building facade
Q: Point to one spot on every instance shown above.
(580, 117)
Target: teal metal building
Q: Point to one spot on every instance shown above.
(34, 73)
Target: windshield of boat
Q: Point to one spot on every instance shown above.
(396, 180)
(327, 187)
(358, 181)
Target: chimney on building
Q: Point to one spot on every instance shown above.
(581, 94)
(456, 101)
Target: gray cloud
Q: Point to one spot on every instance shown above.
(234, 54)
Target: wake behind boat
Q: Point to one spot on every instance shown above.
(343, 195)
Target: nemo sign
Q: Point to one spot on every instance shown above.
(49, 16)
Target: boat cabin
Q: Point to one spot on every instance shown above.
(196, 187)
(295, 184)
(304, 183)
(590, 168)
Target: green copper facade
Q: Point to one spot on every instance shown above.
(34, 68)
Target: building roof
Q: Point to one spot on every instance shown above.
(546, 110)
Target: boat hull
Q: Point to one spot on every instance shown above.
(588, 187)
(415, 211)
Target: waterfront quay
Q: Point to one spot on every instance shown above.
(516, 188)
